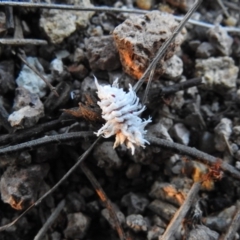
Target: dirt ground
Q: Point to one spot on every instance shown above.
(178, 180)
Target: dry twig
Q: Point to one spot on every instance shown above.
(196, 154)
(50, 220)
(181, 213)
(45, 140)
(21, 42)
(155, 95)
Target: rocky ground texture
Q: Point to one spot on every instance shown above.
(183, 185)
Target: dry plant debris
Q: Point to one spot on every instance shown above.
(184, 184)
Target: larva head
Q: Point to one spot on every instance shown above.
(107, 92)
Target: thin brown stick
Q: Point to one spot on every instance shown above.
(196, 154)
(106, 201)
(165, 45)
(70, 171)
(173, 226)
(53, 89)
(233, 227)
(50, 220)
(21, 42)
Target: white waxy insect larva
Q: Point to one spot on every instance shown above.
(121, 110)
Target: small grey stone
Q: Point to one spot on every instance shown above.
(107, 156)
(159, 130)
(29, 109)
(219, 74)
(167, 192)
(75, 203)
(55, 236)
(30, 81)
(88, 84)
(201, 232)
(220, 39)
(78, 71)
(79, 55)
(163, 209)
(102, 53)
(57, 30)
(154, 232)
(106, 215)
(220, 221)
(205, 50)
(206, 142)
(178, 100)
(181, 133)
(135, 204)
(78, 224)
(133, 171)
(56, 66)
(137, 223)
(95, 31)
(222, 133)
(174, 67)
(106, 23)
